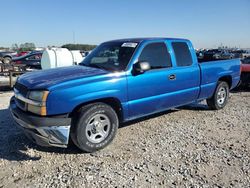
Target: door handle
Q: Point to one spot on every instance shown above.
(172, 77)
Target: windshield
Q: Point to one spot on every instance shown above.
(111, 56)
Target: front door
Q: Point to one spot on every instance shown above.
(169, 83)
(149, 92)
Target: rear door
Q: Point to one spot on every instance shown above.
(186, 72)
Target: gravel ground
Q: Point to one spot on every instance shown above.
(187, 147)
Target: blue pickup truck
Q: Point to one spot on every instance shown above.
(118, 81)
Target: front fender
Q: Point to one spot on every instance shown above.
(64, 100)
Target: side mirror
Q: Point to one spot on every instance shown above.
(141, 67)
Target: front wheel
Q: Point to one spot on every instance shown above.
(95, 127)
(220, 96)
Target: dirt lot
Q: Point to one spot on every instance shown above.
(192, 147)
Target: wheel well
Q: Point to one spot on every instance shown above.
(113, 102)
(7, 56)
(227, 79)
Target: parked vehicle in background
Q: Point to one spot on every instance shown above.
(246, 60)
(223, 54)
(22, 53)
(36, 51)
(84, 53)
(208, 55)
(118, 81)
(245, 55)
(238, 53)
(7, 56)
(31, 60)
(245, 73)
(215, 54)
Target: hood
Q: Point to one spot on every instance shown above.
(46, 78)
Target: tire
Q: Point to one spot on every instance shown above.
(94, 127)
(7, 60)
(220, 96)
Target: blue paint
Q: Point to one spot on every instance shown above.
(139, 95)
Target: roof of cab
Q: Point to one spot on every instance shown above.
(139, 40)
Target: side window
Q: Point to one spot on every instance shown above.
(182, 54)
(156, 54)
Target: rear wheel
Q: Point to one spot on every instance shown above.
(220, 96)
(95, 127)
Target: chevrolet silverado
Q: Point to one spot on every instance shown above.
(118, 81)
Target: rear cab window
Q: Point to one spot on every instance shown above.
(182, 54)
(157, 55)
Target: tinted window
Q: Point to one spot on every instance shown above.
(156, 54)
(182, 54)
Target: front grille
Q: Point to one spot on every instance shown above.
(21, 89)
(20, 104)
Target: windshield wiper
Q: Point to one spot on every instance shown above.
(95, 66)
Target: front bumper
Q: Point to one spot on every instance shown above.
(45, 131)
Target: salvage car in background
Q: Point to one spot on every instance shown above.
(7, 56)
(216, 54)
(31, 60)
(245, 73)
(223, 55)
(23, 53)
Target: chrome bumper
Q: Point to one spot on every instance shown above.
(45, 131)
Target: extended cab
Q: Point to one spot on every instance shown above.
(119, 81)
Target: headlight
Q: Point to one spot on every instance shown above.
(39, 105)
(40, 96)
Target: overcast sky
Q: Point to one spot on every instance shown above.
(208, 23)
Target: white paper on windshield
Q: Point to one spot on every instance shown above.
(129, 44)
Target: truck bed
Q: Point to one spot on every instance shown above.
(212, 71)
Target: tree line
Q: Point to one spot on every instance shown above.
(29, 46)
(84, 47)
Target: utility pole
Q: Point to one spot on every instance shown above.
(74, 40)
